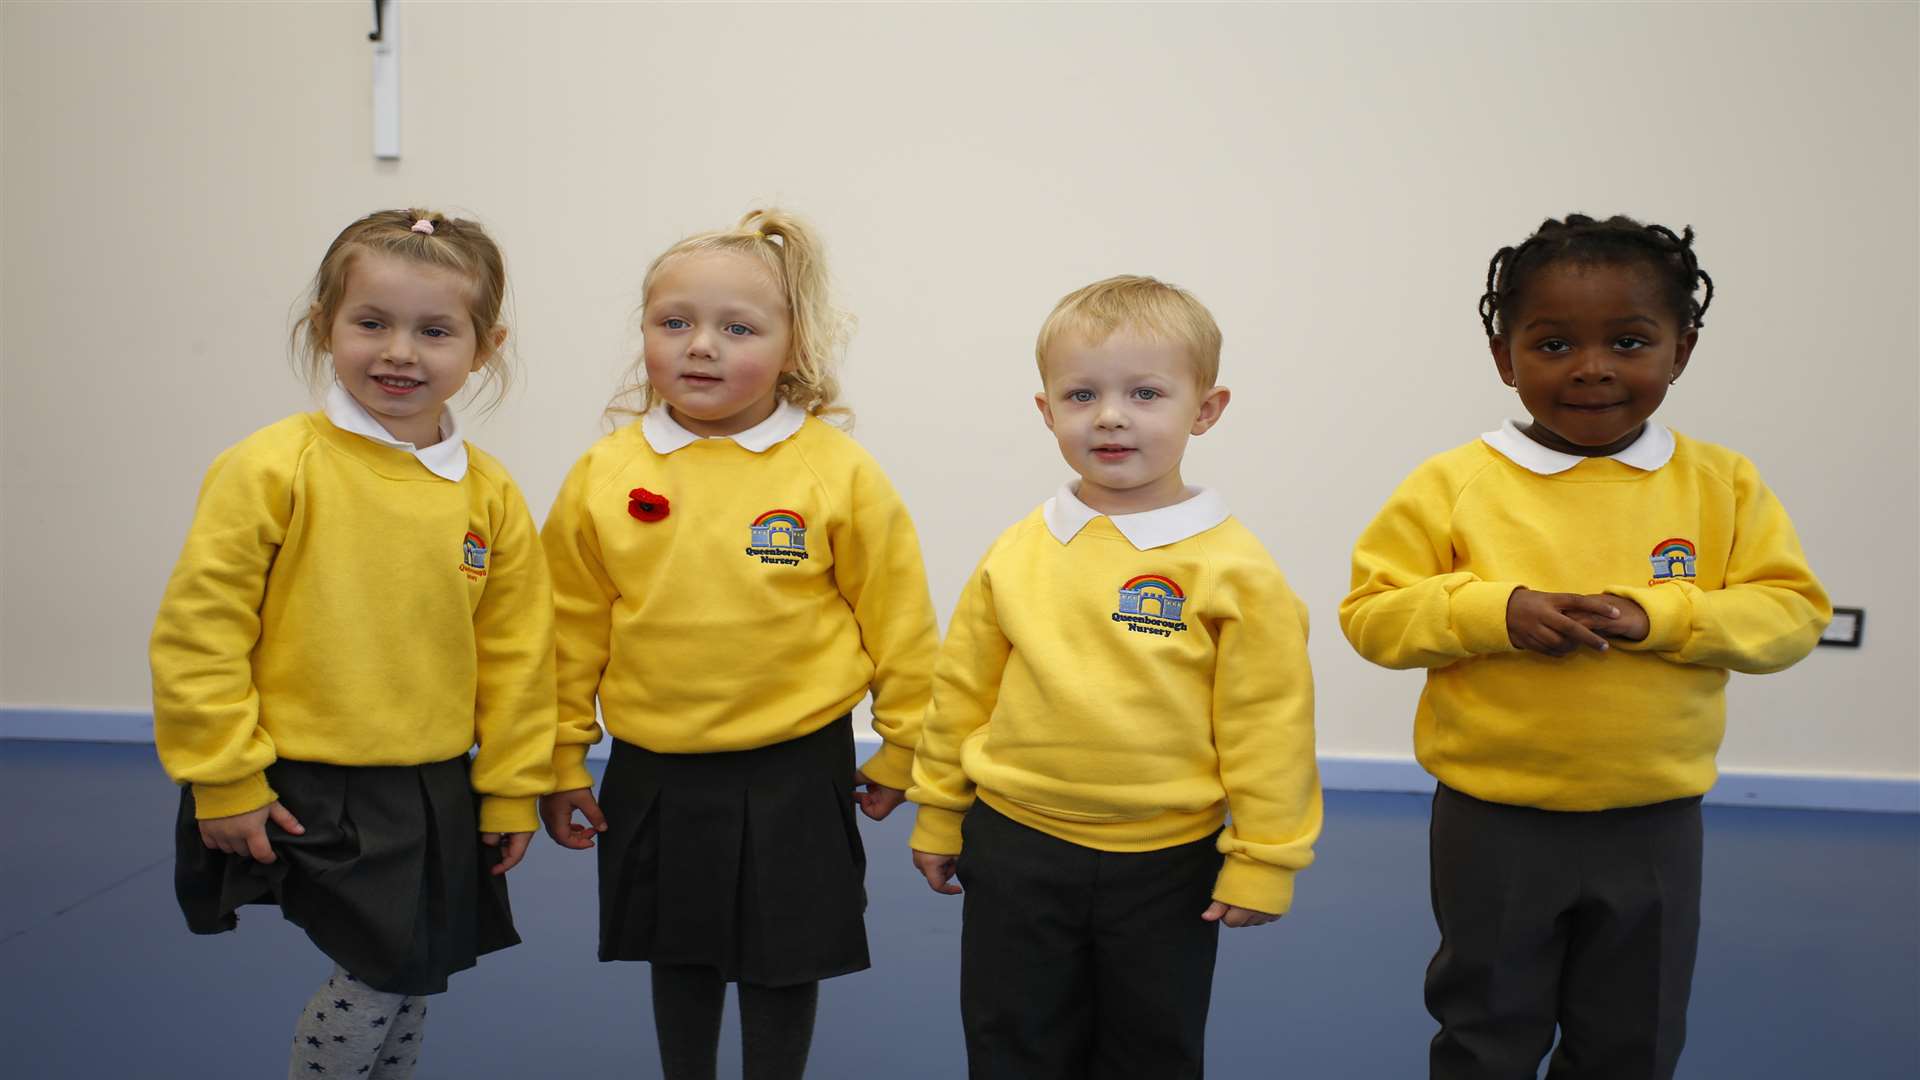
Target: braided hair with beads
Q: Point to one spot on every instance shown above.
(1582, 239)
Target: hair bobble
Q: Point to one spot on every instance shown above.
(424, 227)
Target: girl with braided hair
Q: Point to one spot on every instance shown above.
(1577, 587)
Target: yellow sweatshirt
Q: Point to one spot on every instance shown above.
(782, 582)
(1684, 529)
(337, 602)
(1123, 684)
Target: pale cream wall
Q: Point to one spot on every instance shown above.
(1330, 179)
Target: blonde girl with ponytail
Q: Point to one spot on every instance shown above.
(732, 575)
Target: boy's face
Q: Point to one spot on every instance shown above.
(1121, 411)
(1592, 350)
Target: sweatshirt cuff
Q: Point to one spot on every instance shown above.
(499, 813)
(570, 767)
(891, 766)
(1669, 617)
(936, 831)
(1254, 885)
(1479, 613)
(226, 800)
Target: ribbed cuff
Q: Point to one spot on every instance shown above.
(499, 813)
(1253, 885)
(936, 831)
(1669, 617)
(892, 766)
(570, 767)
(226, 800)
(1479, 613)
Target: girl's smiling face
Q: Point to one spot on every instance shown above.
(1592, 348)
(716, 340)
(403, 342)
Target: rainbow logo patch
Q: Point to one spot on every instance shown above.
(1673, 560)
(1151, 604)
(778, 537)
(473, 555)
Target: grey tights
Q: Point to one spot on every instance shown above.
(351, 1030)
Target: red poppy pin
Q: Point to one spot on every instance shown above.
(645, 505)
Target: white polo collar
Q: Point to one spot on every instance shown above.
(665, 434)
(1203, 508)
(446, 459)
(1651, 450)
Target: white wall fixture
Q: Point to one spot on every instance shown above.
(386, 80)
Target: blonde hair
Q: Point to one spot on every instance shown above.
(1144, 305)
(793, 256)
(455, 244)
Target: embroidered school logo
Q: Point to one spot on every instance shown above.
(473, 561)
(1151, 604)
(778, 537)
(1672, 560)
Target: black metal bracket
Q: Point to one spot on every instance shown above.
(379, 20)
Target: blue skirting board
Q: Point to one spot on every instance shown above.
(1881, 793)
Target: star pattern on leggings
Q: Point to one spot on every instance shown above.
(408, 1037)
(378, 1021)
(311, 1041)
(314, 1066)
(343, 1004)
(394, 1060)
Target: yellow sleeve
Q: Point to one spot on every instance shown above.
(877, 566)
(1771, 611)
(1409, 608)
(966, 685)
(206, 710)
(514, 698)
(1263, 731)
(583, 596)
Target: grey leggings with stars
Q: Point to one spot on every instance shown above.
(351, 1030)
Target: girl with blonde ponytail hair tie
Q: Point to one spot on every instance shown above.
(732, 576)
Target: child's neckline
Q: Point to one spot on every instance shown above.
(446, 459)
(1653, 449)
(666, 435)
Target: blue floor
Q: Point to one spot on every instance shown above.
(1809, 956)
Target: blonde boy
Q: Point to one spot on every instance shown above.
(1125, 669)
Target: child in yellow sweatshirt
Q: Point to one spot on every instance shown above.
(1125, 669)
(361, 602)
(1577, 588)
(732, 575)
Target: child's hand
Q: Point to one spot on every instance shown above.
(245, 834)
(1553, 623)
(1629, 625)
(878, 800)
(939, 871)
(516, 848)
(556, 813)
(1229, 915)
